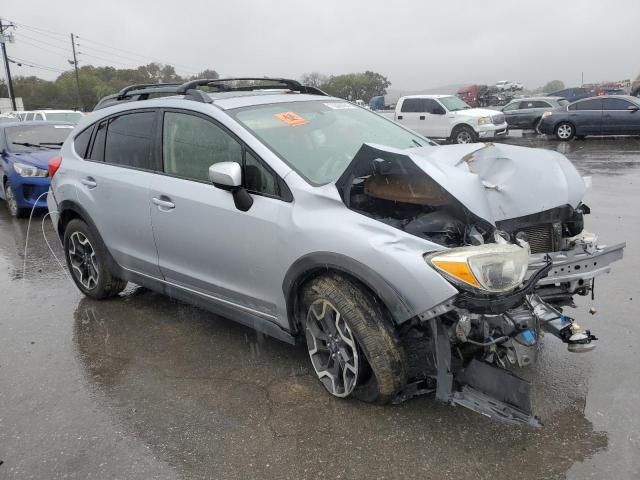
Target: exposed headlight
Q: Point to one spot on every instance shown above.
(484, 120)
(547, 114)
(495, 268)
(29, 170)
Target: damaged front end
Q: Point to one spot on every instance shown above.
(508, 233)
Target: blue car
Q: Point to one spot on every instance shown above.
(606, 115)
(25, 151)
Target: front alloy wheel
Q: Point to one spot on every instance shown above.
(332, 348)
(12, 202)
(82, 258)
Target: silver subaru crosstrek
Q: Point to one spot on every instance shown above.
(406, 267)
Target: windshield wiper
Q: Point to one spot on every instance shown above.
(37, 145)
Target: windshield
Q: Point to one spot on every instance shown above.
(453, 104)
(72, 117)
(27, 138)
(319, 139)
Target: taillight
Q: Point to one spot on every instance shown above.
(54, 165)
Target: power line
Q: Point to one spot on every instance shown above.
(39, 47)
(54, 36)
(28, 63)
(23, 36)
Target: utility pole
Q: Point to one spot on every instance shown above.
(3, 40)
(75, 65)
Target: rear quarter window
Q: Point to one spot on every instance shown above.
(81, 142)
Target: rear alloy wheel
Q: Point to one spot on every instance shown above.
(565, 131)
(462, 135)
(87, 261)
(352, 344)
(12, 202)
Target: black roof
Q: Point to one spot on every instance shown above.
(190, 89)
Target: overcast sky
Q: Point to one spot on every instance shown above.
(416, 44)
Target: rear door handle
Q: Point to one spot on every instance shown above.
(399, 117)
(164, 203)
(422, 117)
(89, 182)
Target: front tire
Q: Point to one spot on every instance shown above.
(352, 345)
(565, 131)
(86, 258)
(12, 202)
(463, 134)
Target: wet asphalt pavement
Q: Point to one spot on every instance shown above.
(144, 387)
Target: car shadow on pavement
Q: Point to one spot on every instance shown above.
(216, 399)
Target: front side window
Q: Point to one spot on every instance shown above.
(511, 107)
(453, 104)
(615, 104)
(129, 140)
(191, 144)
(319, 139)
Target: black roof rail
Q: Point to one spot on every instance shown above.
(123, 93)
(221, 85)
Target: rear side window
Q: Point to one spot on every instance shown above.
(595, 104)
(96, 152)
(81, 142)
(191, 144)
(129, 140)
(414, 105)
(539, 104)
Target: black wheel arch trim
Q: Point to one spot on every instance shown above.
(69, 205)
(305, 267)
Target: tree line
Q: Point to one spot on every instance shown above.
(97, 82)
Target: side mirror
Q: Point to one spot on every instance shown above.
(228, 176)
(633, 108)
(438, 111)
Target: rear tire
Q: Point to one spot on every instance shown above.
(565, 131)
(463, 134)
(338, 310)
(86, 258)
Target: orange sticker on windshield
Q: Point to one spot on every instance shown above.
(291, 119)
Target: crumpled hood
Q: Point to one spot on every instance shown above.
(38, 158)
(496, 181)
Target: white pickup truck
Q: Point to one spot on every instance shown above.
(448, 117)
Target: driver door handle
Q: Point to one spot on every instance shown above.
(164, 203)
